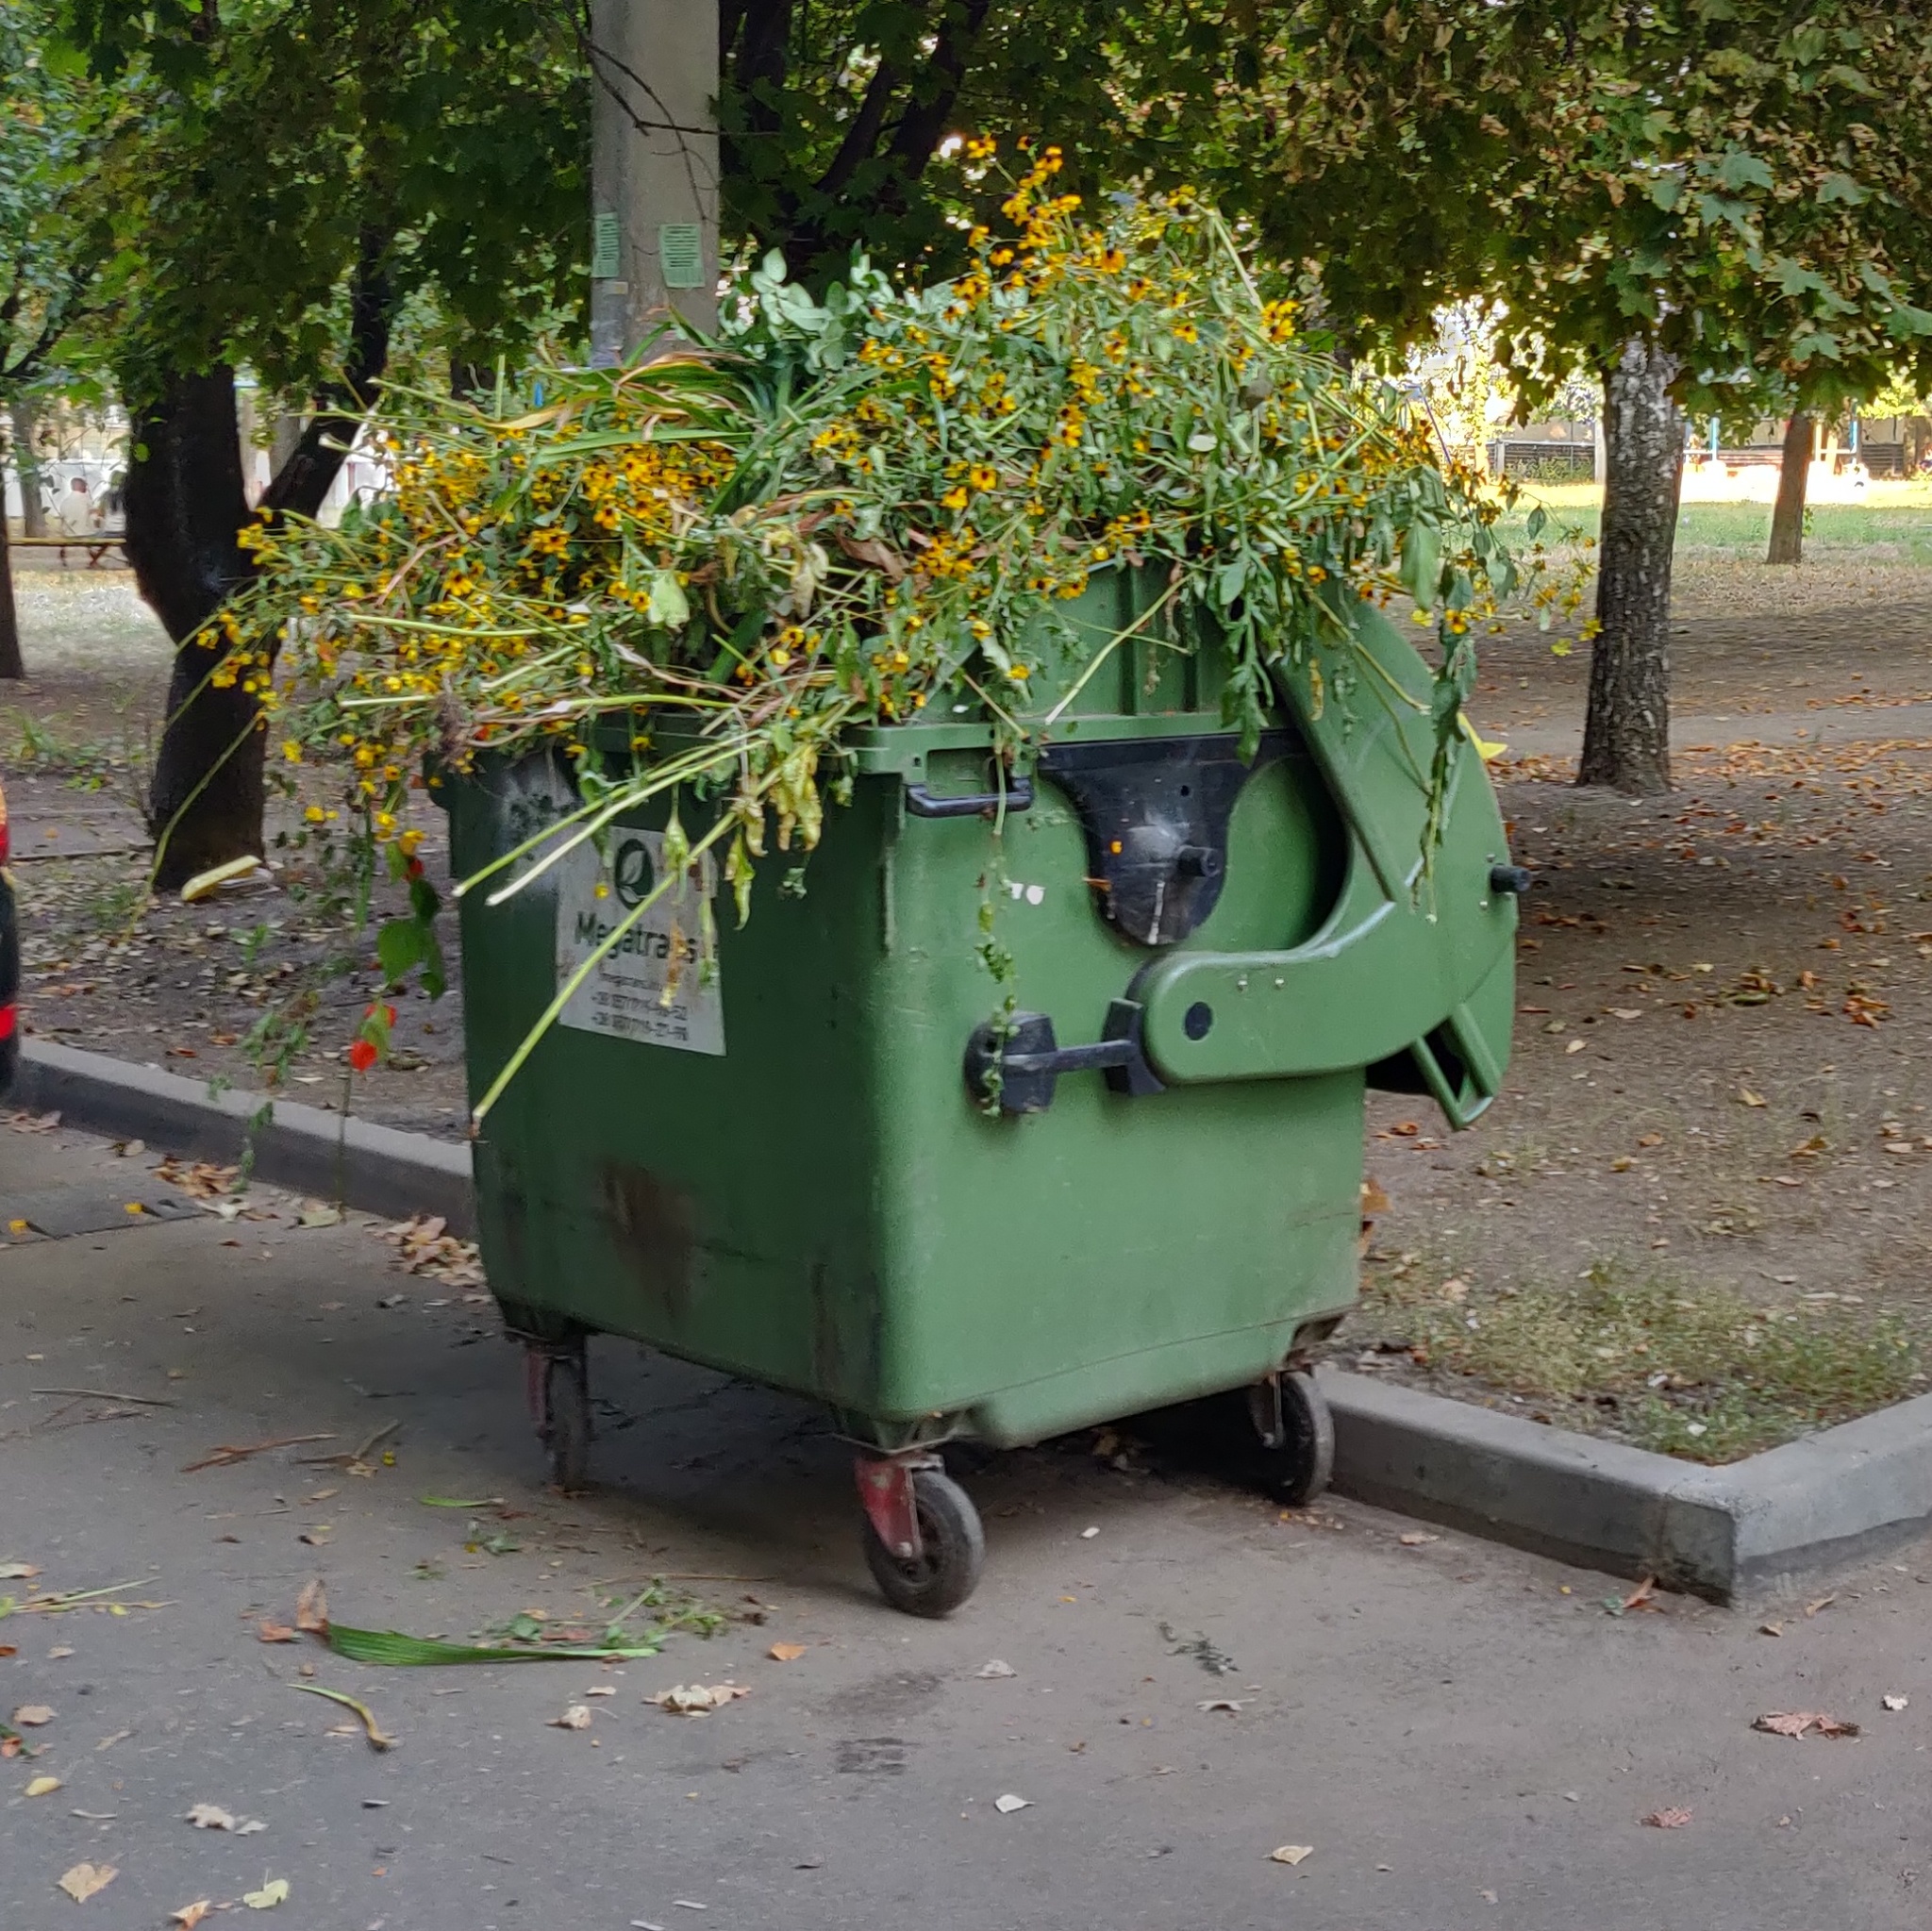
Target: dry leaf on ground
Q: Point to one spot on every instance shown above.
(266, 1631)
(1228, 1704)
(30, 1716)
(697, 1699)
(1668, 1820)
(1779, 1722)
(212, 1817)
(312, 1608)
(84, 1879)
(190, 1916)
(577, 1717)
(1416, 1538)
(786, 1651)
(996, 1668)
(1008, 1803)
(44, 1787)
(19, 1571)
(1290, 1854)
(268, 1897)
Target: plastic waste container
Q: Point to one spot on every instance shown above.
(820, 1168)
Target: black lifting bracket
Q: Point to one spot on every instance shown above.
(1032, 1059)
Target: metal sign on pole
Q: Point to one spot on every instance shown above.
(654, 169)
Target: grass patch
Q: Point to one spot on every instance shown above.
(1688, 1370)
(1897, 515)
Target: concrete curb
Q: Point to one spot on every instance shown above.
(1759, 1528)
(1762, 1528)
(377, 1168)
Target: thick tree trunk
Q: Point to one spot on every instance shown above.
(11, 664)
(185, 505)
(1788, 513)
(33, 512)
(1626, 734)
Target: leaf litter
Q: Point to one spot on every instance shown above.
(1795, 1723)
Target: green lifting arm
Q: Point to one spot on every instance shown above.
(1402, 964)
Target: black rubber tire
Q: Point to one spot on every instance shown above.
(567, 1422)
(954, 1552)
(1298, 1471)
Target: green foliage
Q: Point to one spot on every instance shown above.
(293, 160)
(1742, 182)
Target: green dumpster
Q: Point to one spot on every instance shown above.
(821, 1166)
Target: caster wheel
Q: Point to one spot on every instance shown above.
(943, 1574)
(1296, 1464)
(566, 1424)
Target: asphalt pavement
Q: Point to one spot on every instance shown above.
(1459, 1735)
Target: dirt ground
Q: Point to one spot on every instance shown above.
(1692, 1217)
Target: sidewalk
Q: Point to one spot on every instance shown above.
(1462, 1734)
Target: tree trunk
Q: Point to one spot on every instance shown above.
(185, 505)
(11, 664)
(1788, 514)
(1626, 734)
(26, 466)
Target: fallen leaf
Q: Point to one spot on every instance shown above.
(317, 1537)
(1375, 1200)
(1644, 1596)
(697, 1699)
(268, 1897)
(45, 1786)
(996, 1668)
(1228, 1704)
(1416, 1538)
(1823, 1602)
(1795, 1723)
(30, 1716)
(1008, 1803)
(190, 1916)
(786, 1651)
(312, 1608)
(1889, 1702)
(377, 1739)
(1747, 1098)
(1668, 1820)
(602, 1690)
(1575, 1046)
(266, 1631)
(317, 1215)
(212, 1817)
(1649, 1139)
(84, 1879)
(59, 1651)
(18, 1571)
(577, 1717)
(1770, 1630)
(1290, 1854)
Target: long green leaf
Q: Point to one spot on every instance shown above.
(391, 1648)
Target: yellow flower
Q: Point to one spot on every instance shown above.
(314, 814)
(955, 498)
(292, 751)
(982, 475)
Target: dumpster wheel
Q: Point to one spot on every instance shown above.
(1296, 1434)
(560, 1401)
(951, 1545)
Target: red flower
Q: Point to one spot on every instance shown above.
(389, 1013)
(415, 868)
(363, 1055)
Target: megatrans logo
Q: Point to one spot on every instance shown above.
(632, 872)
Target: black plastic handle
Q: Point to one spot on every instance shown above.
(924, 803)
(1510, 879)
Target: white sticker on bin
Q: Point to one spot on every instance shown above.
(624, 995)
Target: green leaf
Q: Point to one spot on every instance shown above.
(669, 607)
(394, 1649)
(1739, 168)
(1666, 190)
(401, 945)
(1842, 188)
